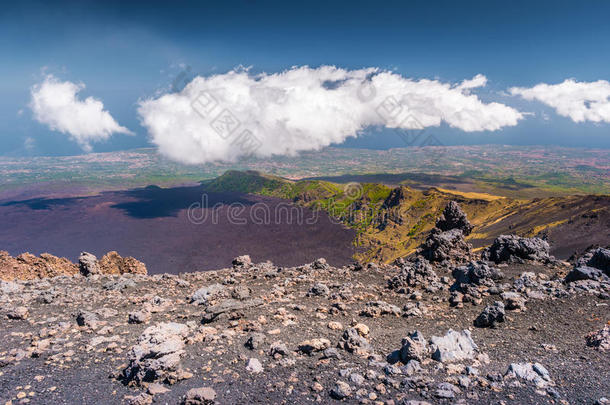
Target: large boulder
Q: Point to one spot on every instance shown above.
(601, 260)
(414, 347)
(516, 249)
(596, 257)
(454, 218)
(586, 273)
(88, 264)
(453, 347)
(478, 273)
(447, 246)
(156, 356)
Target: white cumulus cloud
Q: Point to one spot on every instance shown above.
(227, 116)
(579, 101)
(56, 104)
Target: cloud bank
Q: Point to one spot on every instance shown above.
(227, 116)
(579, 101)
(55, 104)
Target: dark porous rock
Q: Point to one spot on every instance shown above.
(601, 260)
(448, 246)
(491, 315)
(454, 218)
(516, 249)
(417, 274)
(331, 353)
(477, 272)
(586, 273)
(88, 264)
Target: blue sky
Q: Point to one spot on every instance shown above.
(127, 51)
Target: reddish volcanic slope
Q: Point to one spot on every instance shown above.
(152, 225)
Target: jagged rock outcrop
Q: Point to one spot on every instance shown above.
(597, 257)
(157, 354)
(396, 196)
(446, 243)
(113, 263)
(88, 264)
(414, 347)
(593, 265)
(448, 246)
(516, 249)
(28, 267)
(454, 218)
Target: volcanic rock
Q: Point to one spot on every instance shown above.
(453, 347)
(491, 315)
(156, 356)
(479, 273)
(352, 342)
(516, 249)
(202, 295)
(445, 246)
(533, 372)
(199, 396)
(600, 339)
(113, 263)
(417, 274)
(414, 347)
(27, 266)
(88, 264)
(586, 273)
(454, 218)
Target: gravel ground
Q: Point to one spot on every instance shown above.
(48, 358)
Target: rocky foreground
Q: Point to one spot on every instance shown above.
(510, 325)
